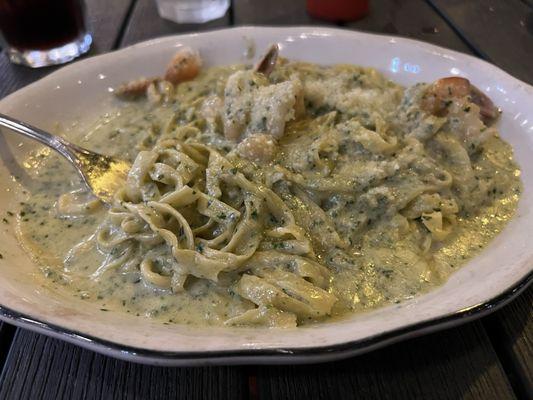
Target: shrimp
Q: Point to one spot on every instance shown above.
(134, 89)
(439, 95)
(489, 112)
(254, 105)
(155, 89)
(184, 66)
(260, 148)
(159, 91)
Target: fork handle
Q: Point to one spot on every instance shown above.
(56, 143)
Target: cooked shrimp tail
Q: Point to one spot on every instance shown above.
(488, 111)
(134, 89)
(184, 66)
(268, 62)
(438, 95)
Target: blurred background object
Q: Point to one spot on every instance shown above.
(41, 32)
(192, 11)
(338, 10)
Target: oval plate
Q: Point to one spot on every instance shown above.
(81, 90)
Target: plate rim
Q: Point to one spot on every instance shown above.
(276, 355)
(146, 43)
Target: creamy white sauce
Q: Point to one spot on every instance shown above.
(388, 257)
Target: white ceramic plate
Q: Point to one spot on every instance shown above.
(80, 91)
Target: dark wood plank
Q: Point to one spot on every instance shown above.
(501, 30)
(7, 332)
(457, 363)
(273, 12)
(105, 19)
(13, 77)
(145, 23)
(41, 367)
(511, 332)
(410, 18)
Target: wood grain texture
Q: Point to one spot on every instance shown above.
(511, 332)
(145, 23)
(39, 367)
(411, 18)
(501, 31)
(105, 19)
(7, 332)
(456, 363)
(273, 12)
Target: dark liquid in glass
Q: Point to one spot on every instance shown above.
(41, 24)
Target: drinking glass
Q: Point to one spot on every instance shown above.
(192, 11)
(39, 33)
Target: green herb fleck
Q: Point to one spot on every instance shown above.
(200, 248)
(387, 272)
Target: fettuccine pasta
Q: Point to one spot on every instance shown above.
(277, 199)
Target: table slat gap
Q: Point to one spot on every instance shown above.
(458, 31)
(125, 23)
(414, 19)
(500, 29)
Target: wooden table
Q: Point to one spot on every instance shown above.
(491, 358)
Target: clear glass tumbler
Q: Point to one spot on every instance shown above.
(192, 11)
(39, 33)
